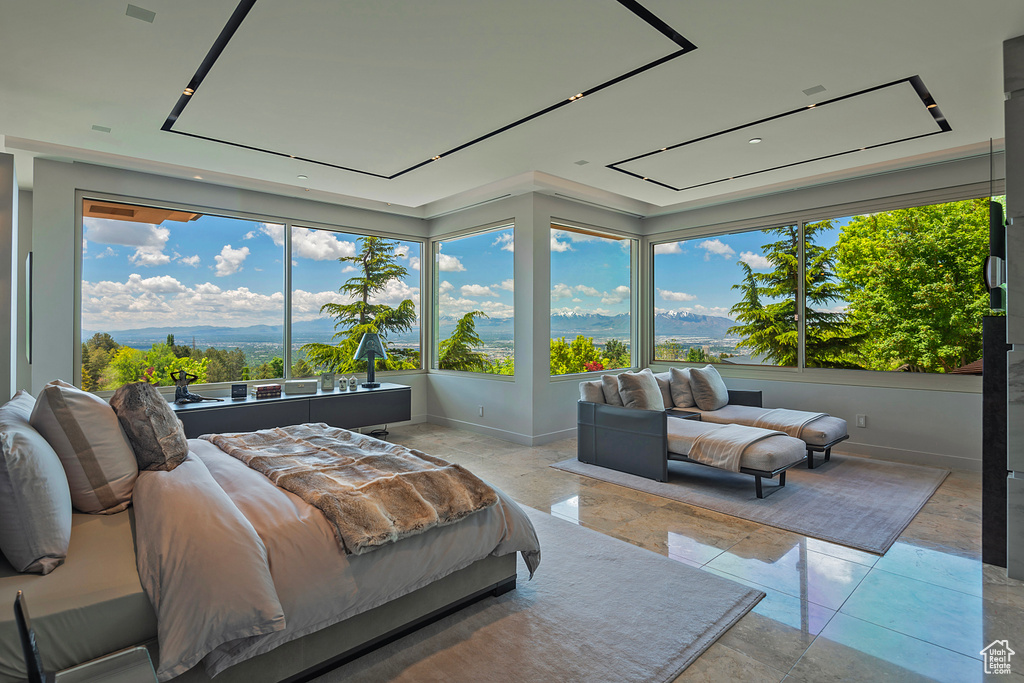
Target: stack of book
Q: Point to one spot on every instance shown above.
(266, 390)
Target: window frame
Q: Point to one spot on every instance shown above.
(288, 223)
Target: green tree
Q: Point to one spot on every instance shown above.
(768, 310)
(457, 351)
(696, 354)
(616, 353)
(274, 369)
(913, 284)
(225, 365)
(377, 267)
(569, 357)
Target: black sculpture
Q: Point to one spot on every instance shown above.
(181, 393)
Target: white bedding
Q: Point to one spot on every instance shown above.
(313, 582)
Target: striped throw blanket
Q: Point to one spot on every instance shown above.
(372, 492)
(792, 422)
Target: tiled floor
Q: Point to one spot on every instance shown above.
(923, 611)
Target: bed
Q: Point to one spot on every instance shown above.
(283, 599)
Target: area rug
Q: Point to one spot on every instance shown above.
(857, 502)
(598, 609)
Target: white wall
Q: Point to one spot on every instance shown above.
(8, 273)
(23, 379)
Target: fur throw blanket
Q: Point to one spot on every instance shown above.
(372, 492)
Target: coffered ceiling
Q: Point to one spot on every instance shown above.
(414, 103)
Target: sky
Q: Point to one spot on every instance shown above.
(214, 271)
(589, 274)
(475, 273)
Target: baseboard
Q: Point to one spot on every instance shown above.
(542, 439)
(415, 419)
(952, 462)
(504, 434)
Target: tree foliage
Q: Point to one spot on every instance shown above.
(912, 281)
(570, 357)
(457, 351)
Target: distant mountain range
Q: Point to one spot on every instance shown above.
(490, 329)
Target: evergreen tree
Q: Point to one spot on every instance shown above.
(457, 351)
(377, 265)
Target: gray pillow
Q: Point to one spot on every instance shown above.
(666, 392)
(152, 428)
(611, 390)
(709, 391)
(592, 391)
(682, 395)
(640, 390)
(35, 502)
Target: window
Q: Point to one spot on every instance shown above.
(341, 283)
(166, 290)
(590, 300)
(474, 327)
(728, 298)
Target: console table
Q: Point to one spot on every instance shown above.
(386, 404)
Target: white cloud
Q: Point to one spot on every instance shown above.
(755, 261)
(676, 296)
(402, 251)
(616, 296)
(668, 248)
(149, 256)
(349, 269)
(450, 306)
(576, 300)
(190, 260)
(559, 246)
(274, 231)
(414, 263)
(449, 264)
(508, 285)
(561, 291)
(445, 287)
(249, 235)
(718, 247)
(109, 251)
(476, 290)
(320, 245)
(588, 291)
(506, 240)
(229, 260)
(148, 239)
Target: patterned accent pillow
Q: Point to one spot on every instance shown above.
(91, 445)
(709, 391)
(611, 390)
(640, 390)
(153, 429)
(679, 383)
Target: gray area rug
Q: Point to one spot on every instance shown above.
(858, 502)
(598, 609)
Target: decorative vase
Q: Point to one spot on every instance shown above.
(353, 382)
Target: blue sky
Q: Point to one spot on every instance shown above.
(589, 274)
(476, 273)
(213, 271)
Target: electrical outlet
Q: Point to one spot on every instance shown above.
(481, 408)
(862, 420)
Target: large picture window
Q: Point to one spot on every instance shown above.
(591, 275)
(344, 285)
(474, 289)
(166, 290)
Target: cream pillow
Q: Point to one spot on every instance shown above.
(679, 383)
(640, 390)
(663, 379)
(611, 390)
(92, 447)
(709, 391)
(592, 391)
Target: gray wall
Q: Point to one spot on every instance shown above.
(23, 379)
(8, 273)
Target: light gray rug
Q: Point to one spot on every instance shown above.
(598, 609)
(858, 502)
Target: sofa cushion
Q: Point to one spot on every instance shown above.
(35, 503)
(663, 379)
(592, 391)
(767, 454)
(611, 390)
(818, 432)
(153, 429)
(709, 391)
(91, 445)
(679, 385)
(640, 390)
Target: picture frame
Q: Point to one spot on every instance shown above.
(327, 381)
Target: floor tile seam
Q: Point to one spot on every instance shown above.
(778, 590)
(930, 583)
(917, 638)
(748, 656)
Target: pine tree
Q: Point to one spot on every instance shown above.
(456, 352)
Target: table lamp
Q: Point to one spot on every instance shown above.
(370, 348)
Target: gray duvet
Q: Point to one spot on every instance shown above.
(236, 566)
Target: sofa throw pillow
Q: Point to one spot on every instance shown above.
(679, 383)
(592, 391)
(91, 445)
(666, 392)
(640, 390)
(611, 390)
(35, 503)
(151, 426)
(709, 391)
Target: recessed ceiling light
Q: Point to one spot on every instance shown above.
(198, 177)
(188, 91)
(435, 158)
(582, 162)
(811, 106)
(136, 12)
(754, 141)
(932, 105)
(663, 149)
(101, 129)
(814, 90)
(302, 177)
(644, 178)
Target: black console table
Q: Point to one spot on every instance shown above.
(386, 404)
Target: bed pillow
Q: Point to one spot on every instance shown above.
(592, 391)
(640, 390)
(709, 391)
(35, 503)
(679, 383)
(663, 379)
(155, 433)
(610, 383)
(91, 445)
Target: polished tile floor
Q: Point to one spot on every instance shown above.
(921, 612)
